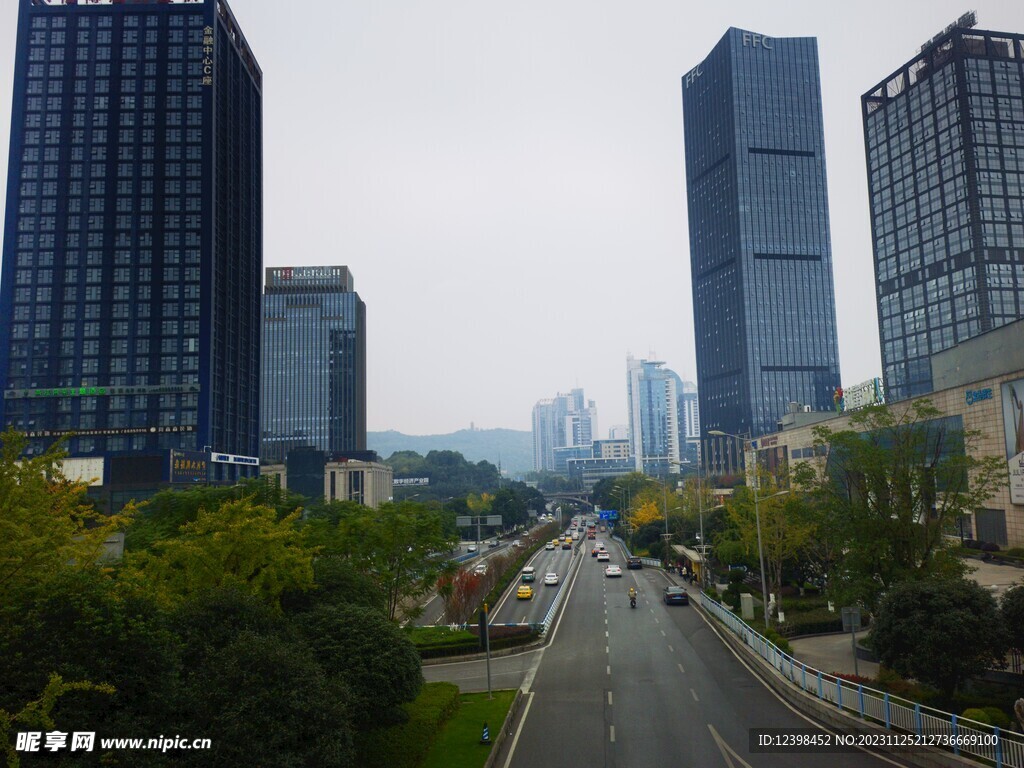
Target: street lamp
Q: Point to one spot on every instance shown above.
(757, 519)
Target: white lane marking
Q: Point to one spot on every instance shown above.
(609, 698)
(611, 733)
(656, 620)
(609, 669)
(519, 730)
(681, 668)
(606, 633)
(694, 694)
(727, 752)
(770, 690)
(663, 633)
(671, 649)
(606, 649)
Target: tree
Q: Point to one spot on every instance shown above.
(46, 525)
(784, 529)
(378, 662)
(241, 544)
(1012, 610)
(938, 631)
(892, 487)
(396, 544)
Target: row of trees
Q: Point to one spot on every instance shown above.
(231, 616)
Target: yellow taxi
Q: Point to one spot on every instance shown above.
(525, 592)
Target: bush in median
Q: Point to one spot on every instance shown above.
(405, 745)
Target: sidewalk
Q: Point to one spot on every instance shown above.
(832, 653)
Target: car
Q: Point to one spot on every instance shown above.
(550, 579)
(471, 548)
(567, 544)
(492, 544)
(517, 543)
(549, 546)
(612, 571)
(602, 556)
(529, 573)
(676, 596)
(634, 563)
(525, 592)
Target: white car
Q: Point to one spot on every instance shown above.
(551, 579)
(471, 548)
(516, 543)
(602, 556)
(612, 570)
(549, 545)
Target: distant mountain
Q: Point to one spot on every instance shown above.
(509, 448)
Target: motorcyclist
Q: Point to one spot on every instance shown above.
(632, 593)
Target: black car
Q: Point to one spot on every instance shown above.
(634, 563)
(676, 596)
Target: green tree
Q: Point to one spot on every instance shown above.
(377, 660)
(892, 487)
(240, 543)
(938, 631)
(1011, 607)
(785, 529)
(46, 525)
(396, 544)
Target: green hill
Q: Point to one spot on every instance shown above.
(510, 449)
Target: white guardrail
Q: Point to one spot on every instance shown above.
(562, 588)
(965, 737)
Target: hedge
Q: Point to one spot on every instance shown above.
(406, 745)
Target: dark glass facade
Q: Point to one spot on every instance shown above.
(132, 254)
(944, 139)
(760, 253)
(314, 362)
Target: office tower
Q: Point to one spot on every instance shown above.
(689, 421)
(566, 420)
(760, 254)
(944, 138)
(652, 393)
(130, 291)
(314, 362)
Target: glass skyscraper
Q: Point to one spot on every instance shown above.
(653, 395)
(132, 254)
(760, 253)
(314, 362)
(944, 137)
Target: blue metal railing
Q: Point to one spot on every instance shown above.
(964, 737)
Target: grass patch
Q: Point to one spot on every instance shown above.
(433, 636)
(458, 743)
(406, 745)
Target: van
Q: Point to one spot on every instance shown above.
(529, 574)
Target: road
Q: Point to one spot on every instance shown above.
(631, 687)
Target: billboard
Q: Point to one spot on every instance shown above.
(1013, 430)
(189, 466)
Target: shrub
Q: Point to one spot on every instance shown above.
(778, 640)
(737, 577)
(855, 679)
(989, 546)
(1015, 552)
(405, 745)
(974, 713)
(997, 717)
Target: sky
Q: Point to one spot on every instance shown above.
(506, 181)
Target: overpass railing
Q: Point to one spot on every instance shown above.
(929, 726)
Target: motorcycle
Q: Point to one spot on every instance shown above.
(632, 602)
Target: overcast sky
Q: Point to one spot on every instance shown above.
(506, 183)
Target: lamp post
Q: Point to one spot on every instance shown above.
(757, 520)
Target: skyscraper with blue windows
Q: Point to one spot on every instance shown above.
(760, 253)
(132, 254)
(314, 362)
(944, 140)
(653, 399)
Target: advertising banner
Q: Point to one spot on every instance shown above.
(1013, 427)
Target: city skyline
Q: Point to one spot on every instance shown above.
(425, 146)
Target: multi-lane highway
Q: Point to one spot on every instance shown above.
(621, 687)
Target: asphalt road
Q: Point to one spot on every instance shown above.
(621, 687)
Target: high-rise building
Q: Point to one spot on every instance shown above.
(760, 253)
(566, 420)
(314, 362)
(689, 421)
(944, 138)
(130, 290)
(652, 393)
